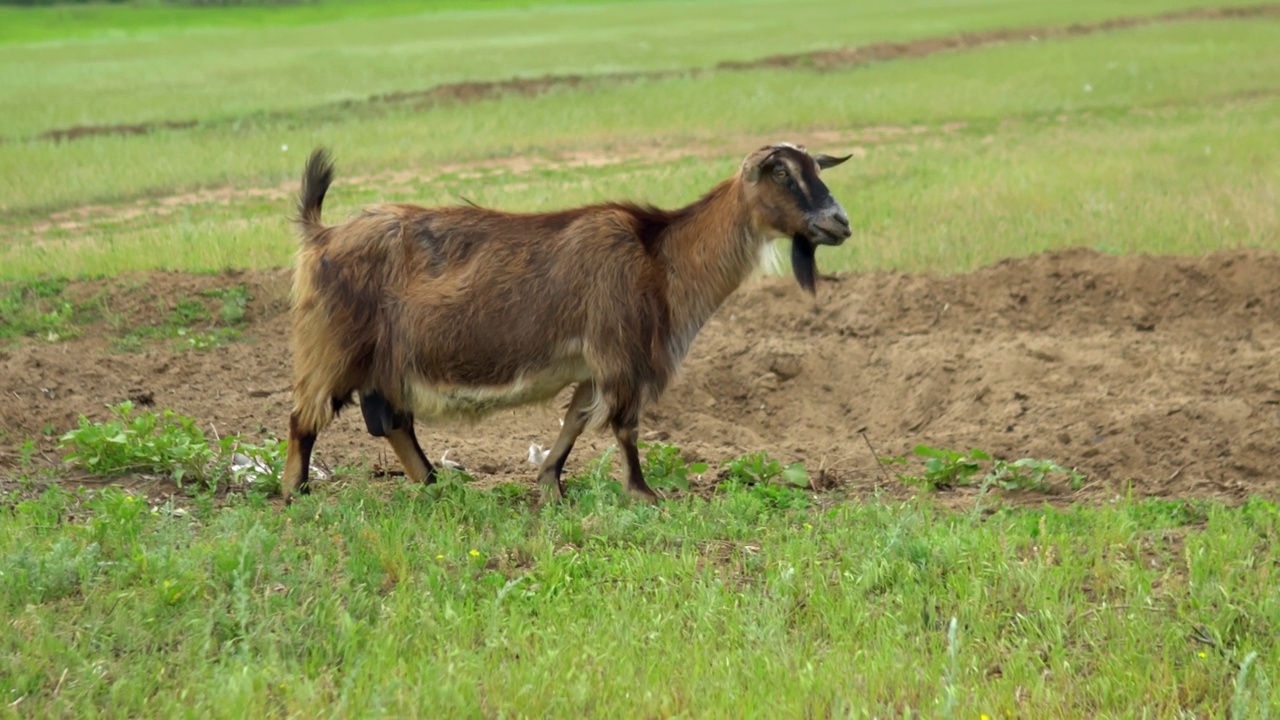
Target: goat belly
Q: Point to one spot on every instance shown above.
(473, 402)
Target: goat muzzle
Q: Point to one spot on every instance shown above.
(830, 228)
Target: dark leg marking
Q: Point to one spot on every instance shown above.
(379, 417)
(636, 485)
(383, 420)
(575, 419)
(303, 442)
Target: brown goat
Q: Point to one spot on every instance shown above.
(461, 311)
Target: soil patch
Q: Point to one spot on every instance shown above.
(475, 91)
(1160, 371)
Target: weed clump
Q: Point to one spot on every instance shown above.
(767, 480)
(193, 325)
(171, 445)
(945, 469)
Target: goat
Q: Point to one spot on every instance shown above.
(455, 312)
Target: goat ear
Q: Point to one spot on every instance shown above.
(753, 163)
(826, 161)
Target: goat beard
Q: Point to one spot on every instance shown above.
(803, 264)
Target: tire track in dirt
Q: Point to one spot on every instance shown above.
(83, 218)
(76, 221)
(821, 60)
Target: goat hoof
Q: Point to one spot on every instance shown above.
(548, 500)
(550, 495)
(644, 494)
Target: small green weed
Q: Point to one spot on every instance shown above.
(26, 452)
(36, 308)
(595, 485)
(1029, 474)
(44, 510)
(258, 465)
(188, 312)
(945, 469)
(133, 340)
(184, 321)
(170, 444)
(664, 466)
(774, 496)
(208, 340)
(756, 475)
(452, 475)
(235, 300)
(759, 469)
(1250, 700)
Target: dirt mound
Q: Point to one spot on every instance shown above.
(1157, 370)
(475, 91)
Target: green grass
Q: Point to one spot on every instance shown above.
(117, 21)
(1184, 63)
(42, 309)
(1116, 181)
(35, 308)
(400, 601)
(189, 73)
(191, 324)
(378, 598)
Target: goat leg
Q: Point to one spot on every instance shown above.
(636, 486)
(383, 420)
(575, 421)
(405, 444)
(297, 460)
(379, 417)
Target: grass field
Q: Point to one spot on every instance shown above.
(1025, 105)
(412, 603)
(194, 73)
(381, 599)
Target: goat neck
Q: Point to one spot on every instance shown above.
(710, 248)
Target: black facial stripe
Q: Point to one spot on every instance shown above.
(801, 198)
(823, 197)
(798, 190)
(819, 195)
(807, 190)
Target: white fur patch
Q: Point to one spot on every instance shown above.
(771, 257)
(434, 401)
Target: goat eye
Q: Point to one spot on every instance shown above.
(780, 175)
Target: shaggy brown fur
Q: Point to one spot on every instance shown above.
(460, 311)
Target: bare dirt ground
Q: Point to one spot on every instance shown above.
(1153, 370)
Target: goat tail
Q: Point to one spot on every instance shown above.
(316, 179)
